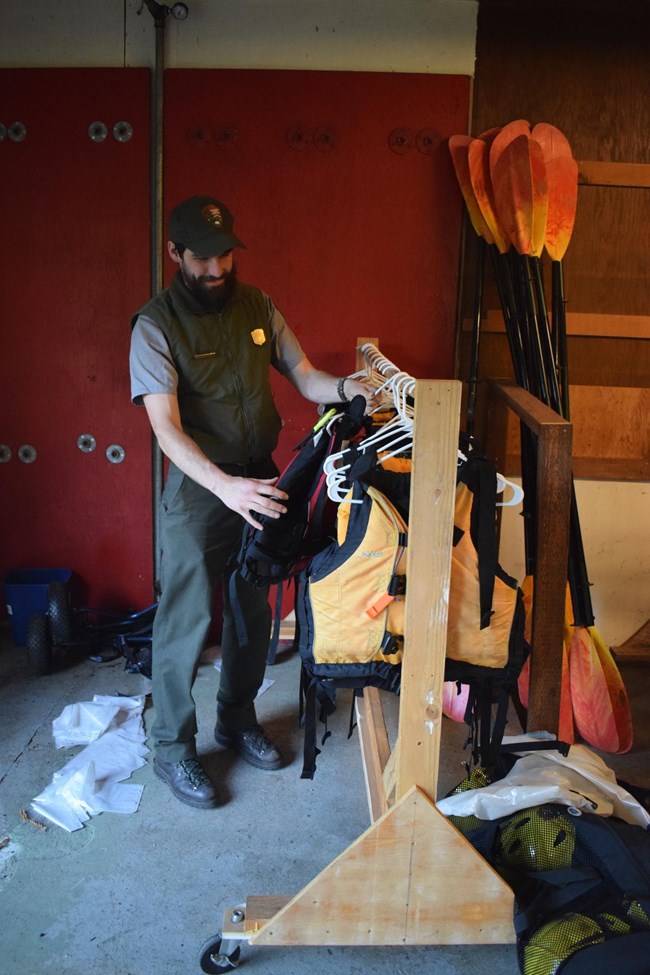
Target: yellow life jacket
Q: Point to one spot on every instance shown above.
(355, 589)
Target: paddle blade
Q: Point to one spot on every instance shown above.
(566, 729)
(459, 150)
(617, 693)
(523, 682)
(489, 135)
(453, 703)
(504, 137)
(540, 198)
(479, 174)
(562, 178)
(553, 142)
(592, 708)
(520, 196)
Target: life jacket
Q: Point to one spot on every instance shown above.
(486, 647)
(283, 546)
(350, 609)
(341, 647)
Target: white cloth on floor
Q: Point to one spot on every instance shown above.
(112, 729)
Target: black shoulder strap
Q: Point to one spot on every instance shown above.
(483, 531)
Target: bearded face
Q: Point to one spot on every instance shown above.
(212, 291)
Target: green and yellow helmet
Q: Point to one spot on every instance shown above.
(556, 941)
(540, 838)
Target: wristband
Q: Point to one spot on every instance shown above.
(339, 389)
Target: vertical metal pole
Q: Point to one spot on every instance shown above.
(156, 199)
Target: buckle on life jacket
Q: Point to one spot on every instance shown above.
(397, 585)
(390, 644)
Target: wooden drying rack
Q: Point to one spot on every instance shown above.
(412, 878)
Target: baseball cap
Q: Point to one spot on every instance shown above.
(204, 224)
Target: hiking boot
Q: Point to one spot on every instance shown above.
(188, 782)
(252, 744)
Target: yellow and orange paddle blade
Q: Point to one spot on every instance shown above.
(617, 693)
(520, 192)
(490, 135)
(592, 709)
(553, 142)
(523, 683)
(459, 150)
(562, 176)
(562, 182)
(479, 172)
(499, 140)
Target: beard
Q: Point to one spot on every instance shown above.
(211, 297)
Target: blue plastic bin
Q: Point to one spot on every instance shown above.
(26, 592)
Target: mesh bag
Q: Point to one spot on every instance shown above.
(581, 885)
(580, 882)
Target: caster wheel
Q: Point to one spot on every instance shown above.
(59, 613)
(39, 645)
(215, 958)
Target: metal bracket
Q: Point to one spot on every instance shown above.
(122, 131)
(17, 132)
(97, 131)
(115, 453)
(225, 136)
(427, 141)
(199, 134)
(86, 443)
(27, 453)
(401, 140)
(326, 138)
(298, 137)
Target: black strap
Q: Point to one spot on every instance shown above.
(310, 751)
(483, 532)
(275, 632)
(235, 606)
(566, 886)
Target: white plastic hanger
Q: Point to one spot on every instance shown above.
(394, 384)
(517, 492)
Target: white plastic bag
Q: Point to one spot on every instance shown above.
(580, 779)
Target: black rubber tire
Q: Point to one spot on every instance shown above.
(60, 613)
(213, 947)
(39, 645)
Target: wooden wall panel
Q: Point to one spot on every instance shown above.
(582, 66)
(74, 260)
(350, 233)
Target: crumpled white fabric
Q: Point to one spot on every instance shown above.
(112, 730)
(580, 779)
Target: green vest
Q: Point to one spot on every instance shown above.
(223, 361)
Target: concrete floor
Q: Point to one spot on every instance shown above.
(140, 894)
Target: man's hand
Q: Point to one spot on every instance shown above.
(245, 495)
(359, 387)
(249, 496)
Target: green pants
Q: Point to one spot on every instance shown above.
(199, 535)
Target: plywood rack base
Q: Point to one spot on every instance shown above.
(411, 878)
(390, 887)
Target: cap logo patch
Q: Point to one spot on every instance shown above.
(212, 214)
